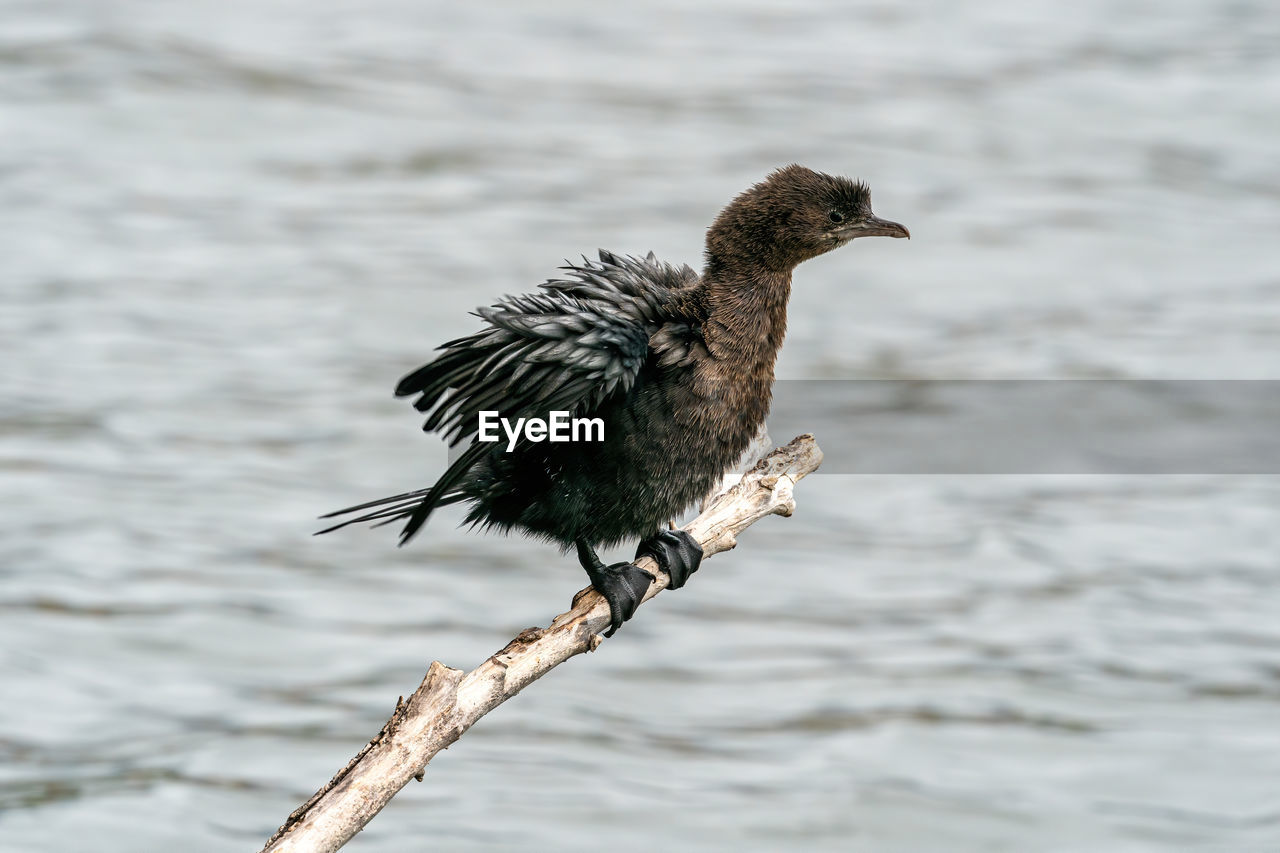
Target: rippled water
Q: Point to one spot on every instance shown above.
(227, 229)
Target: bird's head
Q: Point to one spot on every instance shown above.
(793, 215)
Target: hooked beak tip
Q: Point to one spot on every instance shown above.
(894, 229)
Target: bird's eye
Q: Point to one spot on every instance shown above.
(836, 216)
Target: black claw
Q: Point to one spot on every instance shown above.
(623, 585)
(678, 553)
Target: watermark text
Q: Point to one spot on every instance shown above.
(558, 426)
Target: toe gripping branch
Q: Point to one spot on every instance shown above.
(675, 551)
(623, 585)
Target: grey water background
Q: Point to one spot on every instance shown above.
(227, 228)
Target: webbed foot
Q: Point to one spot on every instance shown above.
(622, 585)
(678, 553)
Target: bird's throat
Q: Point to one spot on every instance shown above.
(748, 319)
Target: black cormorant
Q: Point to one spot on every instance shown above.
(678, 366)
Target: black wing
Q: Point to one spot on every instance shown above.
(567, 348)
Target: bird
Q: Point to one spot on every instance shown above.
(678, 366)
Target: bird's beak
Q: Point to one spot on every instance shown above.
(874, 226)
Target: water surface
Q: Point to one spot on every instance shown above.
(227, 229)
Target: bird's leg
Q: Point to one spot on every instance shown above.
(623, 585)
(675, 551)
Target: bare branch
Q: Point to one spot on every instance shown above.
(449, 701)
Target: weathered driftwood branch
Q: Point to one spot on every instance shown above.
(449, 701)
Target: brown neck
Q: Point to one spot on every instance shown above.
(747, 316)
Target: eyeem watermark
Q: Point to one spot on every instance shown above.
(557, 427)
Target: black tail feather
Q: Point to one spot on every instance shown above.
(419, 514)
(379, 502)
(415, 506)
